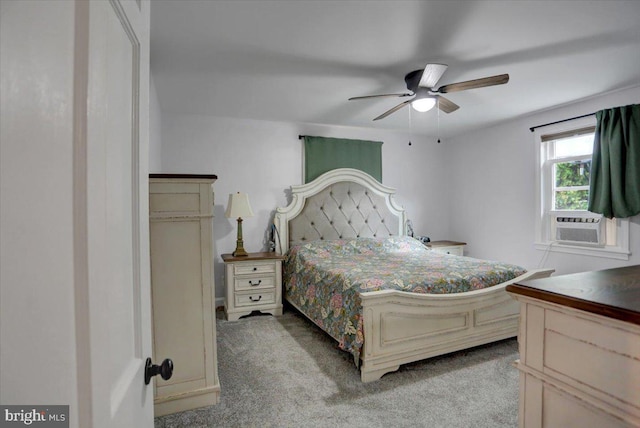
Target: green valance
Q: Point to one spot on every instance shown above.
(614, 189)
(324, 154)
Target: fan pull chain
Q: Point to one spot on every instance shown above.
(438, 106)
(410, 127)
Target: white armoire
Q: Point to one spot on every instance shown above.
(182, 290)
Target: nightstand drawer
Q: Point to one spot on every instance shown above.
(254, 283)
(248, 268)
(254, 299)
(456, 251)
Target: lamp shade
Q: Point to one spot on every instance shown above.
(423, 104)
(238, 206)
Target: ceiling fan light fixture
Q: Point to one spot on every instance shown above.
(423, 104)
(422, 87)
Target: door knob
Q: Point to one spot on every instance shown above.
(165, 370)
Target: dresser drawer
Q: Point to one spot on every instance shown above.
(578, 351)
(254, 299)
(247, 268)
(254, 282)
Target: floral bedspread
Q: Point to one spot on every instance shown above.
(324, 278)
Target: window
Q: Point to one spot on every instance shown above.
(563, 223)
(570, 160)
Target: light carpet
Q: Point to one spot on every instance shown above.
(285, 372)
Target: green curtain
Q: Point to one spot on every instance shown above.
(614, 189)
(324, 154)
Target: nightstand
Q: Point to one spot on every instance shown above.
(254, 283)
(447, 247)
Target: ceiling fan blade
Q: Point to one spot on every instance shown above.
(500, 79)
(394, 109)
(446, 105)
(431, 74)
(406, 94)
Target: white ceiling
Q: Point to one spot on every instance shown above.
(299, 61)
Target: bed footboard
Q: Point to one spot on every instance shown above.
(402, 327)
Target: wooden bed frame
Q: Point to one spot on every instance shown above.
(399, 327)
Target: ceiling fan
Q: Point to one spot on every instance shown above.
(422, 84)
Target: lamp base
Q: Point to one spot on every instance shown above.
(240, 252)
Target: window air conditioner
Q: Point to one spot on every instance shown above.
(580, 230)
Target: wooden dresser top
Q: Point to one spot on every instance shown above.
(613, 293)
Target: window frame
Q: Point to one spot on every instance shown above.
(545, 185)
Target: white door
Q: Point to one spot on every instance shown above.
(115, 64)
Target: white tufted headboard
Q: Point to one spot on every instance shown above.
(342, 203)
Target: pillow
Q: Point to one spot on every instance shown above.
(361, 245)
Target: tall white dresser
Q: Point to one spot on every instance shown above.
(580, 350)
(183, 292)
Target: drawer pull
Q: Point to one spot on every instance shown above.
(255, 268)
(256, 284)
(255, 300)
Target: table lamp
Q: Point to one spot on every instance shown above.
(238, 207)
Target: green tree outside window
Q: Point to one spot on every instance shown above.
(572, 185)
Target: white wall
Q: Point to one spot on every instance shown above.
(265, 158)
(492, 204)
(155, 129)
(37, 315)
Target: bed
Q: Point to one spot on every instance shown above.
(351, 269)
